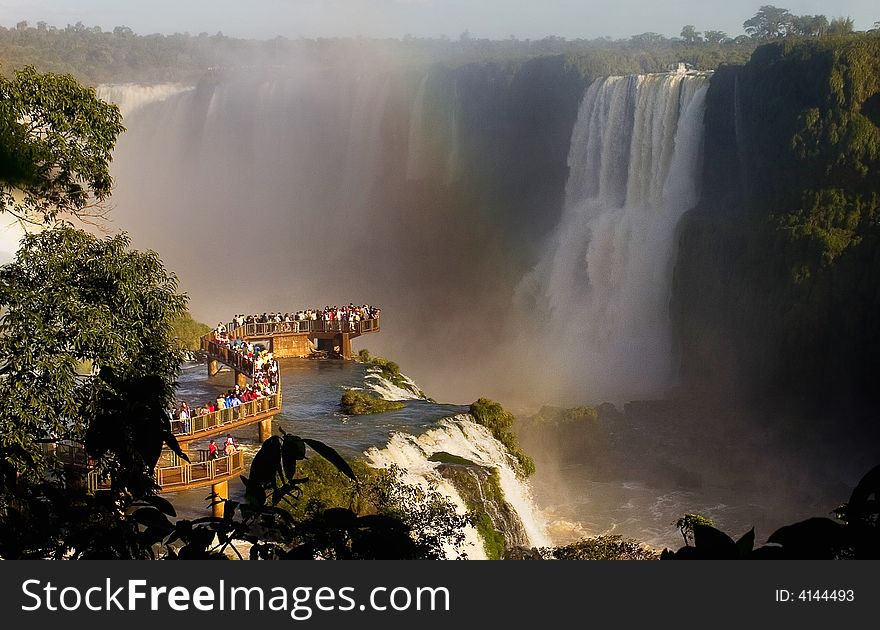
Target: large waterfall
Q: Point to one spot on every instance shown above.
(605, 280)
(399, 189)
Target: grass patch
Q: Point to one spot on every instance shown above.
(493, 540)
(494, 417)
(390, 371)
(443, 457)
(359, 403)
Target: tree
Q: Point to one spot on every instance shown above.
(647, 39)
(810, 25)
(715, 37)
(68, 298)
(769, 22)
(841, 26)
(690, 35)
(687, 523)
(605, 547)
(56, 141)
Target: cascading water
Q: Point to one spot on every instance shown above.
(462, 437)
(131, 96)
(416, 159)
(634, 160)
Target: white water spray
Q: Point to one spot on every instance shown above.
(130, 97)
(634, 169)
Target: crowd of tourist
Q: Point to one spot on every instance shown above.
(345, 316)
(265, 374)
(264, 381)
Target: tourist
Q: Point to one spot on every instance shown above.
(229, 448)
(212, 450)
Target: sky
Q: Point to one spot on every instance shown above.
(494, 19)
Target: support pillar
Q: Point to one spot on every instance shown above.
(219, 491)
(213, 367)
(266, 429)
(342, 341)
(240, 379)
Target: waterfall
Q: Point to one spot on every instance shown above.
(131, 96)
(404, 389)
(461, 436)
(634, 164)
(364, 149)
(416, 156)
(453, 163)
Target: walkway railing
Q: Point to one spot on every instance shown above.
(176, 477)
(69, 452)
(303, 327)
(221, 417)
(228, 356)
(170, 477)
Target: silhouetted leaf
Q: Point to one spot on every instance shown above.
(812, 539)
(151, 517)
(172, 443)
(860, 505)
(292, 450)
(712, 543)
(266, 464)
(161, 504)
(745, 544)
(333, 457)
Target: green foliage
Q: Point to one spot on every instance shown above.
(777, 262)
(358, 403)
(769, 22)
(70, 297)
(687, 523)
(494, 544)
(390, 371)
(605, 547)
(56, 139)
(431, 518)
(187, 332)
(95, 56)
(494, 417)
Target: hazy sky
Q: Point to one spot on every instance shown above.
(496, 19)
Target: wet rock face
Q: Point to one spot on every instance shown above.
(480, 488)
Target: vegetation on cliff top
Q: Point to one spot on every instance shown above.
(390, 371)
(779, 260)
(494, 417)
(359, 403)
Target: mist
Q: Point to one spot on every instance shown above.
(284, 191)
